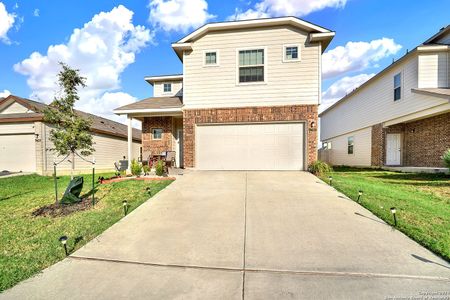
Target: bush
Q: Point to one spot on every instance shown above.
(146, 169)
(319, 168)
(136, 168)
(159, 168)
(446, 158)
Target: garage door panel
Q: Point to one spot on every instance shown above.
(17, 153)
(250, 147)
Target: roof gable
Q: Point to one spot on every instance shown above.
(293, 21)
(13, 107)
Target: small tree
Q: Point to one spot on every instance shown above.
(446, 158)
(71, 132)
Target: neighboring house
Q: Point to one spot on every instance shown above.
(25, 145)
(247, 99)
(400, 117)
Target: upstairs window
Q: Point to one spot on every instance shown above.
(397, 86)
(251, 65)
(350, 144)
(167, 87)
(291, 53)
(211, 58)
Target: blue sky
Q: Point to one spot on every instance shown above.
(128, 40)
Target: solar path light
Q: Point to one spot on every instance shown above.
(393, 212)
(63, 241)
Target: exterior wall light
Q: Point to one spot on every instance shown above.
(63, 241)
(125, 207)
(393, 212)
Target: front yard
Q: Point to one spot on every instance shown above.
(29, 244)
(422, 201)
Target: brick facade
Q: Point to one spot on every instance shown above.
(423, 141)
(307, 113)
(151, 146)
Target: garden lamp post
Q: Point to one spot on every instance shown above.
(393, 212)
(125, 207)
(63, 241)
(359, 195)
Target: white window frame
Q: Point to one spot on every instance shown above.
(265, 65)
(353, 144)
(153, 134)
(204, 58)
(401, 86)
(285, 60)
(171, 86)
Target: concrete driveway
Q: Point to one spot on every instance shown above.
(252, 235)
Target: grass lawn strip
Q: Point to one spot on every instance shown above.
(30, 244)
(422, 201)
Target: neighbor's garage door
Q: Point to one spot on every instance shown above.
(250, 147)
(17, 153)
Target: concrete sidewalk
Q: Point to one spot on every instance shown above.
(253, 235)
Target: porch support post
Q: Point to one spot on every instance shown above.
(130, 143)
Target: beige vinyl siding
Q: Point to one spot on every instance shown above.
(14, 108)
(108, 149)
(362, 147)
(286, 82)
(374, 103)
(16, 128)
(177, 89)
(433, 70)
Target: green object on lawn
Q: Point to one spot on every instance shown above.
(73, 191)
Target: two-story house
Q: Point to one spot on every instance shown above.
(247, 99)
(400, 117)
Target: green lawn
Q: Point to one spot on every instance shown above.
(422, 201)
(29, 244)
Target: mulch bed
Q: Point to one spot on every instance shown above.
(117, 179)
(59, 210)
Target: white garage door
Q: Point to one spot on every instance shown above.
(17, 153)
(250, 147)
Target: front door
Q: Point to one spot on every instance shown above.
(179, 148)
(393, 149)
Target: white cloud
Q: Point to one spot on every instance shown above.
(342, 87)
(179, 15)
(36, 12)
(356, 56)
(101, 49)
(276, 8)
(106, 103)
(6, 23)
(5, 94)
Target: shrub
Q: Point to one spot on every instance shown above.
(319, 168)
(159, 168)
(136, 168)
(446, 158)
(146, 169)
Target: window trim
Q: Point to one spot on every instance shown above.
(353, 145)
(163, 90)
(153, 133)
(400, 86)
(299, 57)
(204, 58)
(265, 66)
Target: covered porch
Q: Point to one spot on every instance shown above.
(162, 126)
(417, 141)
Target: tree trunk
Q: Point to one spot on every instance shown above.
(73, 166)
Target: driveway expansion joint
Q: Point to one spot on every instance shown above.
(271, 271)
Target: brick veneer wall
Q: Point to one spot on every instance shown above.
(191, 117)
(150, 146)
(424, 141)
